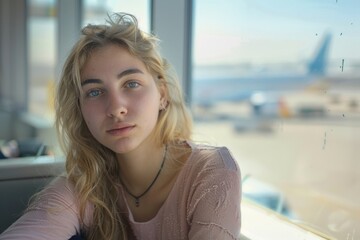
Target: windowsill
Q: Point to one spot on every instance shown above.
(261, 224)
(36, 121)
(31, 167)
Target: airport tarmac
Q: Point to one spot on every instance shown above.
(314, 162)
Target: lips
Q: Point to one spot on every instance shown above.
(121, 129)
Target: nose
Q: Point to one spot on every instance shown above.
(116, 107)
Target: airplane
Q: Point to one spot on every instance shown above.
(259, 90)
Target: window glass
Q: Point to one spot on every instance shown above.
(96, 11)
(41, 54)
(278, 82)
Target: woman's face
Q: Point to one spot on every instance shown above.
(120, 101)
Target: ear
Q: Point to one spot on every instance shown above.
(163, 93)
(163, 103)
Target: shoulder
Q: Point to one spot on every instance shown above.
(59, 192)
(60, 196)
(61, 185)
(211, 165)
(214, 193)
(213, 157)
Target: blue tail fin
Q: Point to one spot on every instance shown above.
(319, 63)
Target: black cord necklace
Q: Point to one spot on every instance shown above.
(137, 198)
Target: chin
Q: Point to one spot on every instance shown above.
(122, 147)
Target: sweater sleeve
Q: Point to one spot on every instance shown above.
(53, 215)
(214, 211)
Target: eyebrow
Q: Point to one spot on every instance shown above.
(129, 71)
(120, 75)
(89, 81)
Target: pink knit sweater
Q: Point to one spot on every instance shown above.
(203, 204)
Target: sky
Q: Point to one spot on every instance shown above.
(273, 31)
(260, 32)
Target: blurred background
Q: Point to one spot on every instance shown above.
(277, 82)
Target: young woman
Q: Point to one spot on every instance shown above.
(132, 170)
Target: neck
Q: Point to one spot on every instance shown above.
(139, 167)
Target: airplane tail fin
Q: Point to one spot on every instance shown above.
(319, 63)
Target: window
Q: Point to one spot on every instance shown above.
(278, 82)
(96, 11)
(41, 55)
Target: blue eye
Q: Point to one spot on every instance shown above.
(132, 85)
(94, 93)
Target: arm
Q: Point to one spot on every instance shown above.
(53, 215)
(215, 204)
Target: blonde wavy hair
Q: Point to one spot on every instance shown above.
(91, 167)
